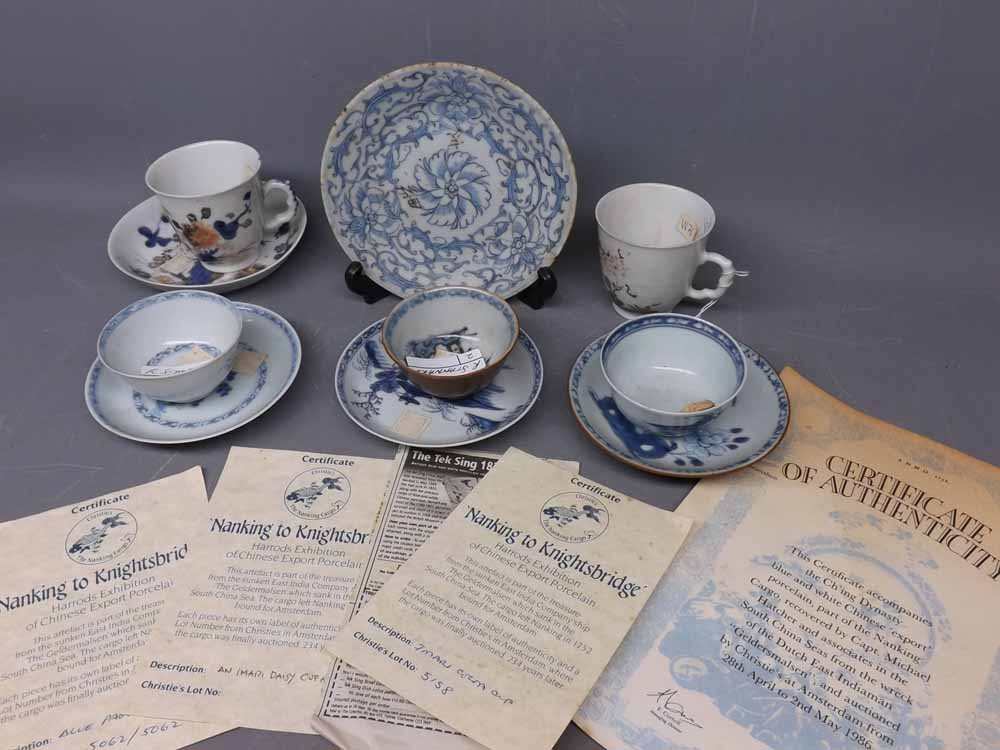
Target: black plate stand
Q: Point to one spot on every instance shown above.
(534, 296)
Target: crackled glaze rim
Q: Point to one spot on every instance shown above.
(350, 350)
(776, 439)
(550, 257)
(245, 307)
(219, 287)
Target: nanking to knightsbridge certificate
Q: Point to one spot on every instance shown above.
(280, 550)
(82, 587)
(841, 594)
(501, 622)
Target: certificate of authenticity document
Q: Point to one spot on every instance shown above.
(82, 587)
(500, 624)
(840, 594)
(282, 546)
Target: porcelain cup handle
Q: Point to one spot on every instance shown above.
(273, 222)
(725, 278)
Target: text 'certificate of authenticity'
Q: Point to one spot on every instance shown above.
(281, 547)
(500, 624)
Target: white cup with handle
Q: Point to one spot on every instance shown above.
(652, 240)
(213, 196)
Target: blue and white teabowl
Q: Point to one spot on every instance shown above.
(443, 174)
(742, 435)
(379, 398)
(268, 361)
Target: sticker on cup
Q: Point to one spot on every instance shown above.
(688, 227)
(451, 363)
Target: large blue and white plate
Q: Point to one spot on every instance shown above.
(377, 396)
(240, 398)
(144, 246)
(743, 434)
(443, 174)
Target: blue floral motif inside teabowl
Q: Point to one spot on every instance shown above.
(448, 175)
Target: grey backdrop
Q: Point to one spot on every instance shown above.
(848, 148)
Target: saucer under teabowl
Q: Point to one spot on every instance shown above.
(745, 433)
(269, 358)
(378, 397)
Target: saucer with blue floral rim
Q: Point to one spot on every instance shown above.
(144, 246)
(267, 363)
(443, 174)
(378, 397)
(742, 435)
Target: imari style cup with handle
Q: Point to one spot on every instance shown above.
(652, 240)
(212, 194)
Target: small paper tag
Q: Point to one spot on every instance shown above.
(187, 361)
(179, 265)
(246, 363)
(411, 424)
(450, 363)
(688, 227)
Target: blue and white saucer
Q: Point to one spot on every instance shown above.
(744, 433)
(143, 246)
(270, 352)
(441, 174)
(378, 397)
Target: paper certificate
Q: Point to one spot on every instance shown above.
(357, 711)
(82, 587)
(282, 545)
(842, 594)
(501, 622)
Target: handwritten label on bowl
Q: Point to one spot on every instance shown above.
(452, 363)
(187, 361)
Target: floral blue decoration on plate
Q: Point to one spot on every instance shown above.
(144, 246)
(378, 397)
(740, 436)
(444, 174)
(238, 399)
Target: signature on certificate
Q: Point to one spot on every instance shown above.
(671, 711)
